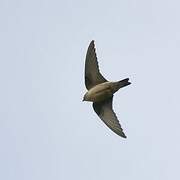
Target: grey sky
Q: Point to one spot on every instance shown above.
(47, 132)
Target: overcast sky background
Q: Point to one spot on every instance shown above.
(46, 131)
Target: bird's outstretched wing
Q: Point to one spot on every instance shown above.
(105, 112)
(92, 74)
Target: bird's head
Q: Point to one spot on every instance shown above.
(86, 97)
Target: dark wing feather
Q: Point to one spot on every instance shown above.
(92, 74)
(105, 112)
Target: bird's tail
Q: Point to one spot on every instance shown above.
(119, 84)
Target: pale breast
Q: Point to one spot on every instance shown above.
(100, 92)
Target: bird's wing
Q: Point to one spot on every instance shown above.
(105, 112)
(92, 74)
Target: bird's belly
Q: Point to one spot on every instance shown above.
(100, 93)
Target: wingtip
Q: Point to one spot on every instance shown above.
(92, 42)
(123, 135)
(91, 45)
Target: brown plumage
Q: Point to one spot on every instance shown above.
(100, 91)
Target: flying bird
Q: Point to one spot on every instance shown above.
(100, 91)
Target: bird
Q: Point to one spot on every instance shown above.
(101, 91)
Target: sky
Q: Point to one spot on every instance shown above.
(46, 131)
